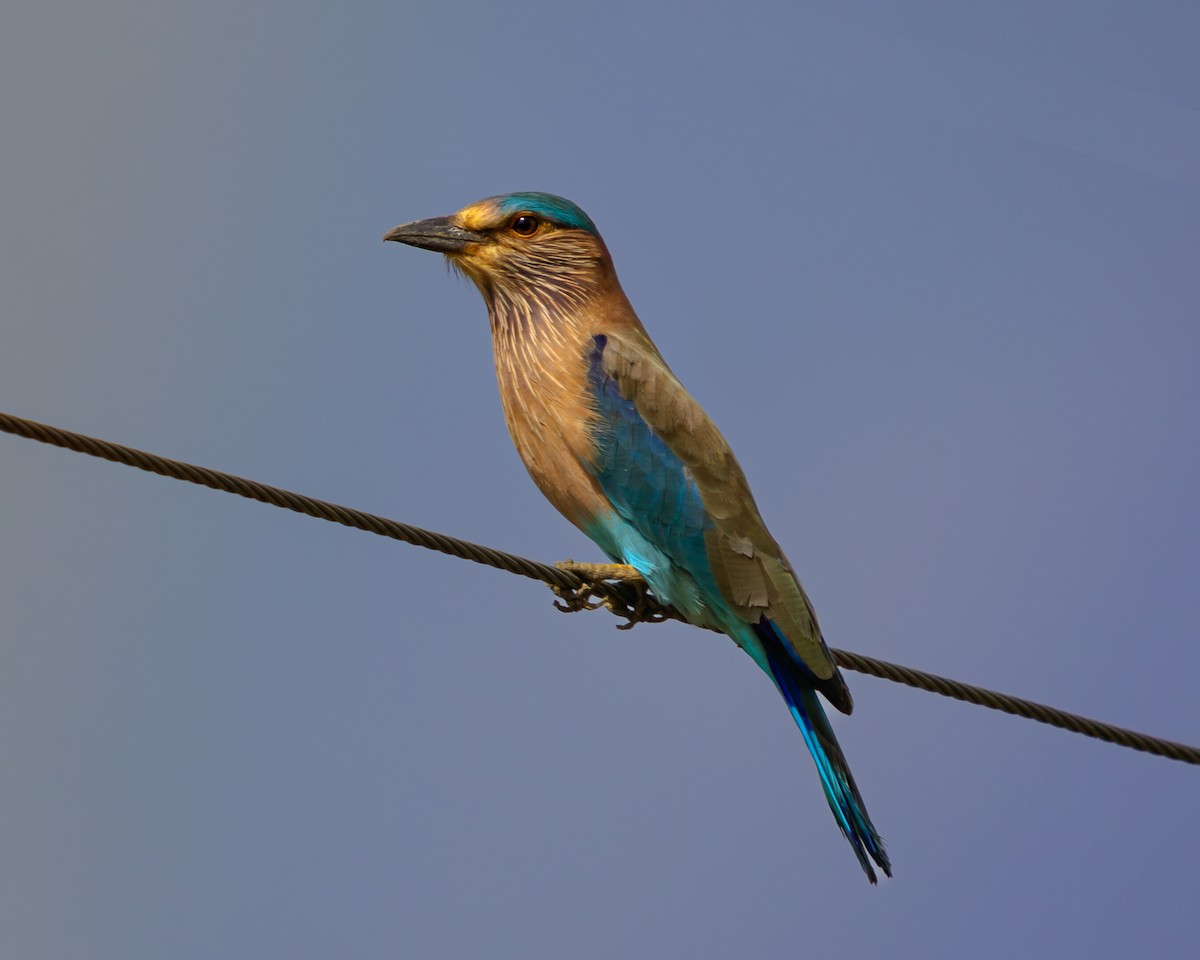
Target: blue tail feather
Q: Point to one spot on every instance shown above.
(840, 790)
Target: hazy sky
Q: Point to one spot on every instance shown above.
(933, 267)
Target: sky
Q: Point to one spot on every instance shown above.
(932, 267)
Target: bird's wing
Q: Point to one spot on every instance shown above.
(667, 470)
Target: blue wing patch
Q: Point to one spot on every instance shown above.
(659, 519)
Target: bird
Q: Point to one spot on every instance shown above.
(614, 441)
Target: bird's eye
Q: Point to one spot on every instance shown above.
(526, 225)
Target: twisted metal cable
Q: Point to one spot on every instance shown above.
(619, 597)
(277, 497)
(1018, 707)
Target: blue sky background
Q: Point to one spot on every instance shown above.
(933, 267)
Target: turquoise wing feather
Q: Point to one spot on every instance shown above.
(659, 519)
(670, 475)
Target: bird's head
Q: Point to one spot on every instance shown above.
(519, 247)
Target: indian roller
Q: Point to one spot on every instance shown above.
(619, 447)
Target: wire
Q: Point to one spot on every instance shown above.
(620, 597)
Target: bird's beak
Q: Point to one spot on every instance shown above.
(438, 234)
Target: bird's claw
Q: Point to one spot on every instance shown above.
(630, 599)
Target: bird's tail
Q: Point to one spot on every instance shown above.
(844, 799)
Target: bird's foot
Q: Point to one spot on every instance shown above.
(617, 587)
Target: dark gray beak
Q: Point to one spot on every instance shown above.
(437, 234)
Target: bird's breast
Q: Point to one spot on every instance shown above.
(549, 411)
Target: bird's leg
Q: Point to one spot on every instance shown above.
(638, 608)
(596, 572)
(593, 575)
